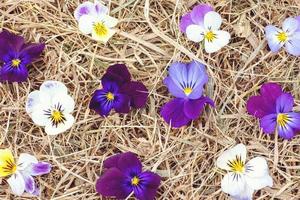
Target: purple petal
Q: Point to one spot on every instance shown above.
(148, 186)
(173, 113)
(31, 51)
(121, 103)
(83, 9)
(100, 104)
(29, 183)
(100, 9)
(173, 88)
(198, 13)
(117, 73)
(264, 104)
(177, 79)
(129, 164)
(298, 18)
(268, 123)
(112, 161)
(293, 45)
(185, 21)
(286, 132)
(193, 108)
(113, 184)
(10, 41)
(290, 25)
(40, 168)
(13, 74)
(137, 92)
(294, 120)
(284, 103)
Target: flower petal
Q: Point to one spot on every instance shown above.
(137, 92)
(198, 13)
(109, 21)
(116, 73)
(147, 189)
(257, 167)
(100, 9)
(290, 25)
(6, 159)
(195, 33)
(273, 42)
(286, 132)
(100, 104)
(13, 74)
(268, 123)
(83, 9)
(129, 164)
(212, 21)
(122, 103)
(193, 108)
(33, 101)
(233, 184)
(185, 21)
(62, 127)
(86, 23)
(293, 45)
(221, 40)
(40, 168)
(103, 38)
(113, 184)
(39, 116)
(112, 161)
(17, 184)
(26, 160)
(30, 186)
(298, 19)
(244, 195)
(173, 87)
(178, 74)
(11, 41)
(173, 113)
(231, 154)
(31, 52)
(260, 182)
(53, 88)
(284, 103)
(66, 102)
(294, 120)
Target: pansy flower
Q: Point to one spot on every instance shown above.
(243, 178)
(93, 19)
(203, 24)
(119, 92)
(51, 107)
(22, 172)
(124, 175)
(185, 82)
(274, 108)
(287, 37)
(15, 55)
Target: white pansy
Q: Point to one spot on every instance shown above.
(214, 39)
(51, 107)
(243, 178)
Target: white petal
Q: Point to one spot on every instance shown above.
(290, 25)
(245, 195)
(53, 130)
(212, 20)
(259, 183)
(39, 117)
(271, 36)
(83, 9)
(53, 87)
(222, 39)
(86, 23)
(232, 184)
(104, 38)
(33, 101)
(194, 33)
(16, 183)
(231, 154)
(25, 160)
(100, 9)
(65, 101)
(257, 167)
(109, 21)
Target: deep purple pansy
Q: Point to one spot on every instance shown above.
(185, 82)
(119, 92)
(124, 175)
(274, 108)
(15, 55)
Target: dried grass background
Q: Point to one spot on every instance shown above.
(148, 41)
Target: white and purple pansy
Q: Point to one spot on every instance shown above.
(23, 172)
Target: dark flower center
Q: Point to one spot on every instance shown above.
(56, 115)
(110, 96)
(100, 29)
(15, 62)
(237, 165)
(135, 181)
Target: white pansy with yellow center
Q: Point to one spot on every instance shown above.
(243, 178)
(214, 39)
(51, 107)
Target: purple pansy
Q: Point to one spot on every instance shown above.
(185, 82)
(124, 175)
(15, 55)
(274, 108)
(287, 37)
(119, 92)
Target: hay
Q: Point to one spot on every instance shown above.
(148, 40)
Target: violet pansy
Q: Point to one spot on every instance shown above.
(287, 37)
(185, 82)
(203, 24)
(274, 108)
(124, 175)
(15, 56)
(118, 92)
(22, 173)
(93, 19)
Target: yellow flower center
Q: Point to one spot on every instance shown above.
(282, 37)
(237, 165)
(57, 117)
(100, 29)
(187, 91)
(7, 163)
(135, 181)
(15, 62)
(110, 96)
(210, 36)
(282, 119)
